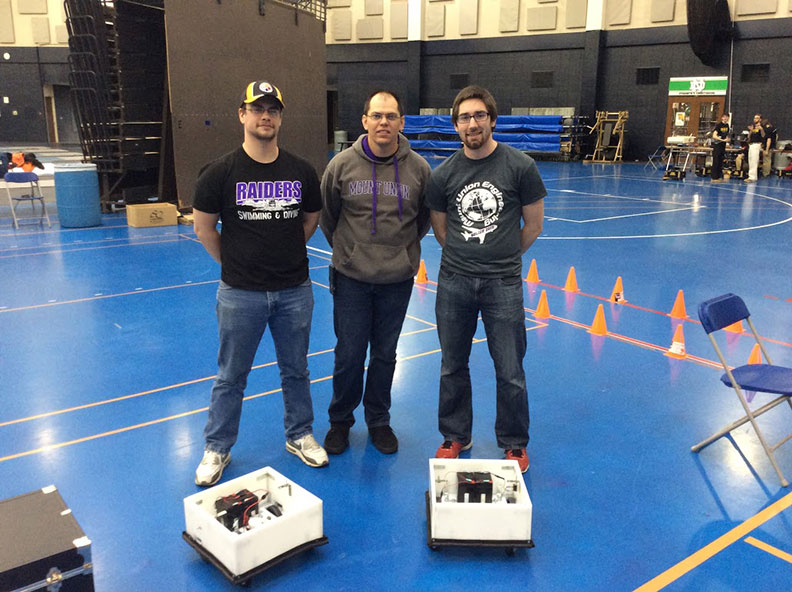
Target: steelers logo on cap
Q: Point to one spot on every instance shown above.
(266, 87)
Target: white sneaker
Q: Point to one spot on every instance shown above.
(211, 468)
(309, 450)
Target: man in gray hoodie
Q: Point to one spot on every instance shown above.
(374, 217)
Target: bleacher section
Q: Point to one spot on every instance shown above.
(434, 136)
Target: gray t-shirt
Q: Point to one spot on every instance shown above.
(483, 202)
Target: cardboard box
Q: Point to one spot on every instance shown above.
(152, 214)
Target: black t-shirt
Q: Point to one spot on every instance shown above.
(770, 132)
(262, 242)
(721, 133)
(483, 202)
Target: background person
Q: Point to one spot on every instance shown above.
(720, 140)
(756, 134)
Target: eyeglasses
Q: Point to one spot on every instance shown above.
(391, 117)
(479, 116)
(271, 111)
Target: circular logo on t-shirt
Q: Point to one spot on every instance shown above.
(479, 206)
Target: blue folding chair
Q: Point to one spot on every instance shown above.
(34, 195)
(657, 158)
(721, 312)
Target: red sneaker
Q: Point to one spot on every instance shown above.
(451, 449)
(520, 456)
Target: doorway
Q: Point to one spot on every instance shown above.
(693, 116)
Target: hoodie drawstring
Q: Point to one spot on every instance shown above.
(373, 158)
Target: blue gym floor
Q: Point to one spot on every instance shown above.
(108, 350)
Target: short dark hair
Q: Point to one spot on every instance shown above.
(475, 92)
(383, 91)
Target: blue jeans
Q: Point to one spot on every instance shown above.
(500, 301)
(242, 317)
(366, 314)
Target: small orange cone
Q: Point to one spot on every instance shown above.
(678, 312)
(542, 310)
(677, 349)
(598, 327)
(756, 355)
(533, 275)
(618, 292)
(421, 277)
(571, 281)
(735, 328)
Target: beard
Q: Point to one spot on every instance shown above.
(476, 141)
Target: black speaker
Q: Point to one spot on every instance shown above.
(709, 25)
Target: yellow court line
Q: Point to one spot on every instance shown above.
(135, 395)
(133, 427)
(172, 417)
(420, 320)
(90, 298)
(417, 331)
(680, 569)
(769, 548)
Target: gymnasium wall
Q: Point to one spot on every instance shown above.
(504, 53)
(33, 50)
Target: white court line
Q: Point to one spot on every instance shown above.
(318, 250)
(627, 215)
(641, 199)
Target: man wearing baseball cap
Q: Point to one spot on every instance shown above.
(268, 201)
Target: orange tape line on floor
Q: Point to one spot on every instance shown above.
(686, 565)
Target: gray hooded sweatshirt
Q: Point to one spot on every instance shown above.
(374, 214)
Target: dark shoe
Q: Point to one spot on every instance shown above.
(337, 439)
(449, 449)
(384, 439)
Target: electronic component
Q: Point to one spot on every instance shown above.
(234, 511)
(474, 487)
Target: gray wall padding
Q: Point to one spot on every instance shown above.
(370, 28)
(341, 25)
(662, 11)
(509, 16)
(398, 23)
(618, 12)
(468, 17)
(576, 13)
(542, 18)
(749, 7)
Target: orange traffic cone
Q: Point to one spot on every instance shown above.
(571, 281)
(618, 292)
(756, 355)
(677, 349)
(735, 328)
(533, 275)
(598, 327)
(678, 312)
(421, 277)
(542, 310)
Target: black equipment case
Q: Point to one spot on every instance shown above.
(41, 545)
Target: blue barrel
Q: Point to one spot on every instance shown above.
(77, 195)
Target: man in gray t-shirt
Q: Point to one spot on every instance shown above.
(477, 199)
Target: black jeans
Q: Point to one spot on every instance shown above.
(366, 315)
